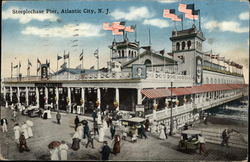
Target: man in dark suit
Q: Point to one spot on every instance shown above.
(105, 151)
(4, 124)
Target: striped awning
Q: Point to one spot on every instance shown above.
(180, 91)
(156, 93)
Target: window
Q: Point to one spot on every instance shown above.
(207, 81)
(119, 52)
(129, 53)
(122, 53)
(147, 62)
(189, 44)
(177, 46)
(183, 44)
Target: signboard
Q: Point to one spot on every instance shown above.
(44, 71)
(50, 85)
(199, 72)
(140, 111)
(139, 71)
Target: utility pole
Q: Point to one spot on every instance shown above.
(171, 113)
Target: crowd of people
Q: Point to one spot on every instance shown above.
(83, 132)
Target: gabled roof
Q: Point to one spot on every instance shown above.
(148, 53)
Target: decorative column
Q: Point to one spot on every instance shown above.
(37, 96)
(69, 99)
(18, 95)
(117, 99)
(83, 100)
(46, 95)
(139, 96)
(4, 95)
(166, 105)
(27, 96)
(98, 100)
(11, 94)
(155, 105)
(57, 98)
(185, 102)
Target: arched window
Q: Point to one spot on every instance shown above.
(189, 44)
(197, 44)
(211, 81)
(183, 44)
(147, 62)
(119, 52)
(207, 81)
(177, 46)
(122, 53)
(129, 53)
(215, 81)
(134, 53)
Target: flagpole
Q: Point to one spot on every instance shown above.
(135, 33)
(200, 20)
(28, 69)
(11, 69)
(182, 21)
(82, 59)
(36, 66)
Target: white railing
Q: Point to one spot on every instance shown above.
(165, 113)
(104, 76)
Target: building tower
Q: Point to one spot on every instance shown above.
(187, 49)
(124, 51)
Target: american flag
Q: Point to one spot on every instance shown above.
(117, 32)
(171, 14)
(190, 16)
(106, 26)
(117, 25)
(189, 11)
(129, 29)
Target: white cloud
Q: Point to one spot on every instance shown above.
(133, 13)
(85, 30)
(25, 18)
(156, 22)
(244, 16)
(231, 26)
(168, 1)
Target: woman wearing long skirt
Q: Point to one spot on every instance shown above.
(25, 130)
(29, 125)
(162, 132)
(63, 150)
(101, 134)
(54, 154)
(17, 131)
(79, 129)
(76, 141)
(116, 148)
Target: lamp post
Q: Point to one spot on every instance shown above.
(171, 113)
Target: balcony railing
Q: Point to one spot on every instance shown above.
(102, 76)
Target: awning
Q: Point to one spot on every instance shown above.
(156, 93)
(166, 92)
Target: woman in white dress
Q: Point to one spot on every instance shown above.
(162, 133)
(29, 125)
(54, 154)
(48, 113)
(104, 124)
(79, 129)
(17, 130)
(101, 134)
(99, 118)
(63, 150)
(25, 130)
(154, 127)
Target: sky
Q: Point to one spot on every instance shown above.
(225, 25)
